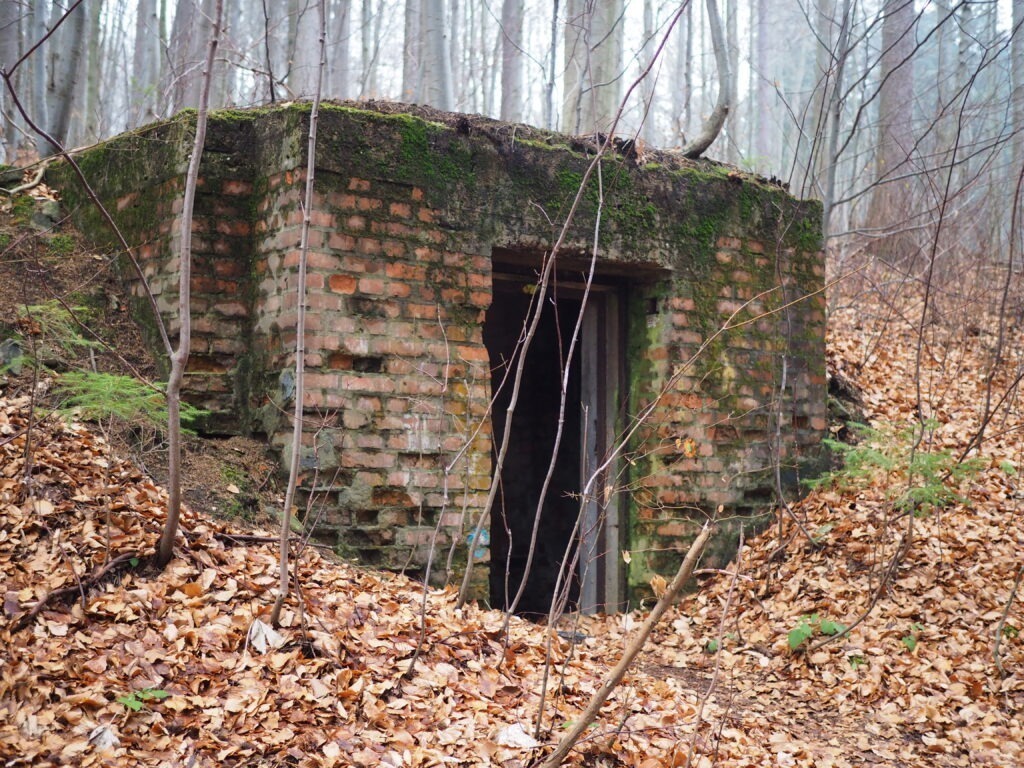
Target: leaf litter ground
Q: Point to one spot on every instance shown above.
(913, 684)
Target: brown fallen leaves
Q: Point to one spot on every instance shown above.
(332, 690)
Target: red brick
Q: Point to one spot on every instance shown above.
(358, 185)
(371, 285)
(236, 188)
(473, 354)
(393, 248)
(416, 193)
(339, 242)
(401, 210)
(342, 283)
(369, 204)
(403, 271)
(369, 246)
(323, 219)
(355, 222)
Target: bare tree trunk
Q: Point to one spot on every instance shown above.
(145, 59)
(191, 28)
(732, 121)
(10, 35)
(93, 114)
(835, 110)
(764, 142)
(593, 64)
(713, 125)
(302, 76)
(647, 129)
(512, 60)
(179, 358)
(552, 65)
(438, 90)
(339, 61)
(412, 61)
(895, 112)
(370, 43)
(1017, 70)
(37, 63)
(300, 323)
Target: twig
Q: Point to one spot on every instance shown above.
(718, 654)
(886, 576)
(1002, 622)
(34, 182)
(632, 650)
(63, 592)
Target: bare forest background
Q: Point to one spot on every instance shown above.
(895, 113)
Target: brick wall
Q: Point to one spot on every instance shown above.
(406, 218)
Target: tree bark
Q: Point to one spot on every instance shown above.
(183, 84)
(713, 125)
(302, 75)
(764, 142)
(412, 61)
(438, 90)
(1017, 95)
(512, 60)
(145, 59)
(300, 323)
(37, 64)
(339, 64)
(647, 129)
(10, 36)
(895, 113)
(179, 358)
(592, 64)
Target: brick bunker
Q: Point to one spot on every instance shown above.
(429, 231)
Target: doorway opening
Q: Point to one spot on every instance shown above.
(573, 526)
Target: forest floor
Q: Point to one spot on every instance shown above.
(104, 661)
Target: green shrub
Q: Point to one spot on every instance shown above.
(57, 324)
(919, 480)
(104, 396)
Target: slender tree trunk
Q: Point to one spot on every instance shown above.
(732, 122)
(179, 358)
(632, 650)
(512, 60)
(552, 65)
(1017, 94)
(647, 130)
(764, 142)
(300, 323)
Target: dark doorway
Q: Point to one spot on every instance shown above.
(587, 429)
